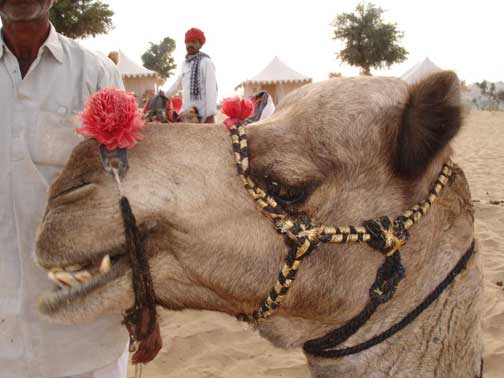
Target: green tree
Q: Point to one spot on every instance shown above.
(500, 95)
(483, 86)
(489, 90)
(159, 58)
(81, 18)
(370, 42)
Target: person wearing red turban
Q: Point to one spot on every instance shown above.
(195, 34)
(197, 79)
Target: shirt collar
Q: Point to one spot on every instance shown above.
(52, 43)
(2, 44)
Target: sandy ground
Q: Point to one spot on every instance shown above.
(207, 345)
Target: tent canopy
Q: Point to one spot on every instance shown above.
(277, 72)
(419, 71)
(129, 69)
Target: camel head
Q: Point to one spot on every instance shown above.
(341, 151)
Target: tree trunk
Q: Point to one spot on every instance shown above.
(365, 71)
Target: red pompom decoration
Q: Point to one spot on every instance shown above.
(237, 110)
(111, 116)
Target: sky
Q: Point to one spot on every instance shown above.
(243, 37)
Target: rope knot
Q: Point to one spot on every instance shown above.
(312, 234)
(386, 236)
(387, 278)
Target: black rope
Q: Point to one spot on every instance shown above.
(321, 347)
(142, 280)
(382, 290)
(382, 228)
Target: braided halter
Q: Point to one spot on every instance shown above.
(303, 236)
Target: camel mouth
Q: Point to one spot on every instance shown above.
(80, 274)
(75, 281)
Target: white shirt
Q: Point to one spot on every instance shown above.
(38, 115)
(268, 110)
(207, 105)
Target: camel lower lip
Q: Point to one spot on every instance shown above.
(54, 301)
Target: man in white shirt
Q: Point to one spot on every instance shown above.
(263, 107)
(197, 79)
(45, 80)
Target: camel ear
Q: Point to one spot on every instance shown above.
(432, 117)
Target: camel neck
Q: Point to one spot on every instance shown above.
(431, 346)
(24, 39)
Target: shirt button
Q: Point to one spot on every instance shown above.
(22, 96)
(61, 110)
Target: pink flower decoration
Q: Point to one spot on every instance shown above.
(237, 110)
(111, 116)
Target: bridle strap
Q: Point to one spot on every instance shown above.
(141, 319)
(303, 236)
(323, 346)
(141, 277)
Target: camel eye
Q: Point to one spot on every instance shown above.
(285, 195)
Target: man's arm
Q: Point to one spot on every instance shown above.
(109, 76)
(175, 87)
(211, 91)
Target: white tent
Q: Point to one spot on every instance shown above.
(277, 78)
(136, 78)
(419, 71)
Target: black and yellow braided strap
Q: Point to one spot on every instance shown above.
(284, 282)
(304, 237)
(240, 148)
(413, 215)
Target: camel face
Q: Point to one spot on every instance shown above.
(341, 151)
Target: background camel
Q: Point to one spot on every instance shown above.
(341, 151)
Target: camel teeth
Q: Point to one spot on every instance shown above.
(66, 278)
(73, 268)
(53, 278)
(105, 264)
(83, 276)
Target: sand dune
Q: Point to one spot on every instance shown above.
(204, 344)
(479, 149)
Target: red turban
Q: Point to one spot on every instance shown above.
(194, 33)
